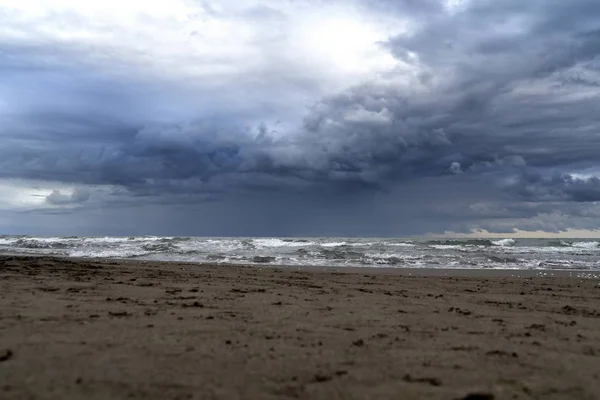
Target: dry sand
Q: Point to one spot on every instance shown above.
(74, 329)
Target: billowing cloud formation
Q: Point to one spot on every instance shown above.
(388, 108)
(58, 198)
(557, 188)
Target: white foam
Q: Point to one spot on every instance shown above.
(503, 242)
(33, 240)
(399, 244)
(579, 250)
(108, 253)
(337, 244)
(391, 256)
(111, 239)
(274, 242)
(446, 246)
(586, 245)
(47, 239)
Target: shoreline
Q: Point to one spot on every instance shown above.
(386, 270)
(79, 328)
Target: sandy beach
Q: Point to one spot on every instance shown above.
(77, 329)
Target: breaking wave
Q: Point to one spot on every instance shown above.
(341, 252)
(503, 242)
(472, 242)
(585, 245)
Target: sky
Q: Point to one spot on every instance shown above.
(299, 117)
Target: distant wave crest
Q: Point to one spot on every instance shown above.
(473, 242)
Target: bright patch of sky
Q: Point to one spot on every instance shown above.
(211, 42)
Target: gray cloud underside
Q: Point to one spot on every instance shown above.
(502, 95)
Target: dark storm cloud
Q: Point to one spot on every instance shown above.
(507, 90)
(556, 187)
(500, 94)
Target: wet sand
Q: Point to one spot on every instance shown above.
(77, 329)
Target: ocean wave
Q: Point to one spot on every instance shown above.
(459, 242)
(160, 247)
(263, 259)
(558, 243)
(338, 244)
(561, 265)
(593, 244)
(114, 239)
(46, 243)
(398, 244)
(343, 252)
(503, 260)
(171, 240)
(109, 253)
(274, 242)
(446, 246)
(387, 259)
(472, 242)
(340, 254)
(220, 245)
(585, 245)
(503, 242)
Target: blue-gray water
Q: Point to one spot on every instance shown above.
(580, 254)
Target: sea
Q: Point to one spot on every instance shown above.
(579, 254)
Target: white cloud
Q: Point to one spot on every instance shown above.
(453, 6)
(255, 60)
(77, 196)
(360, 115)
(29, 195)
(455, 168)
(16, 194)
(211, 44)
